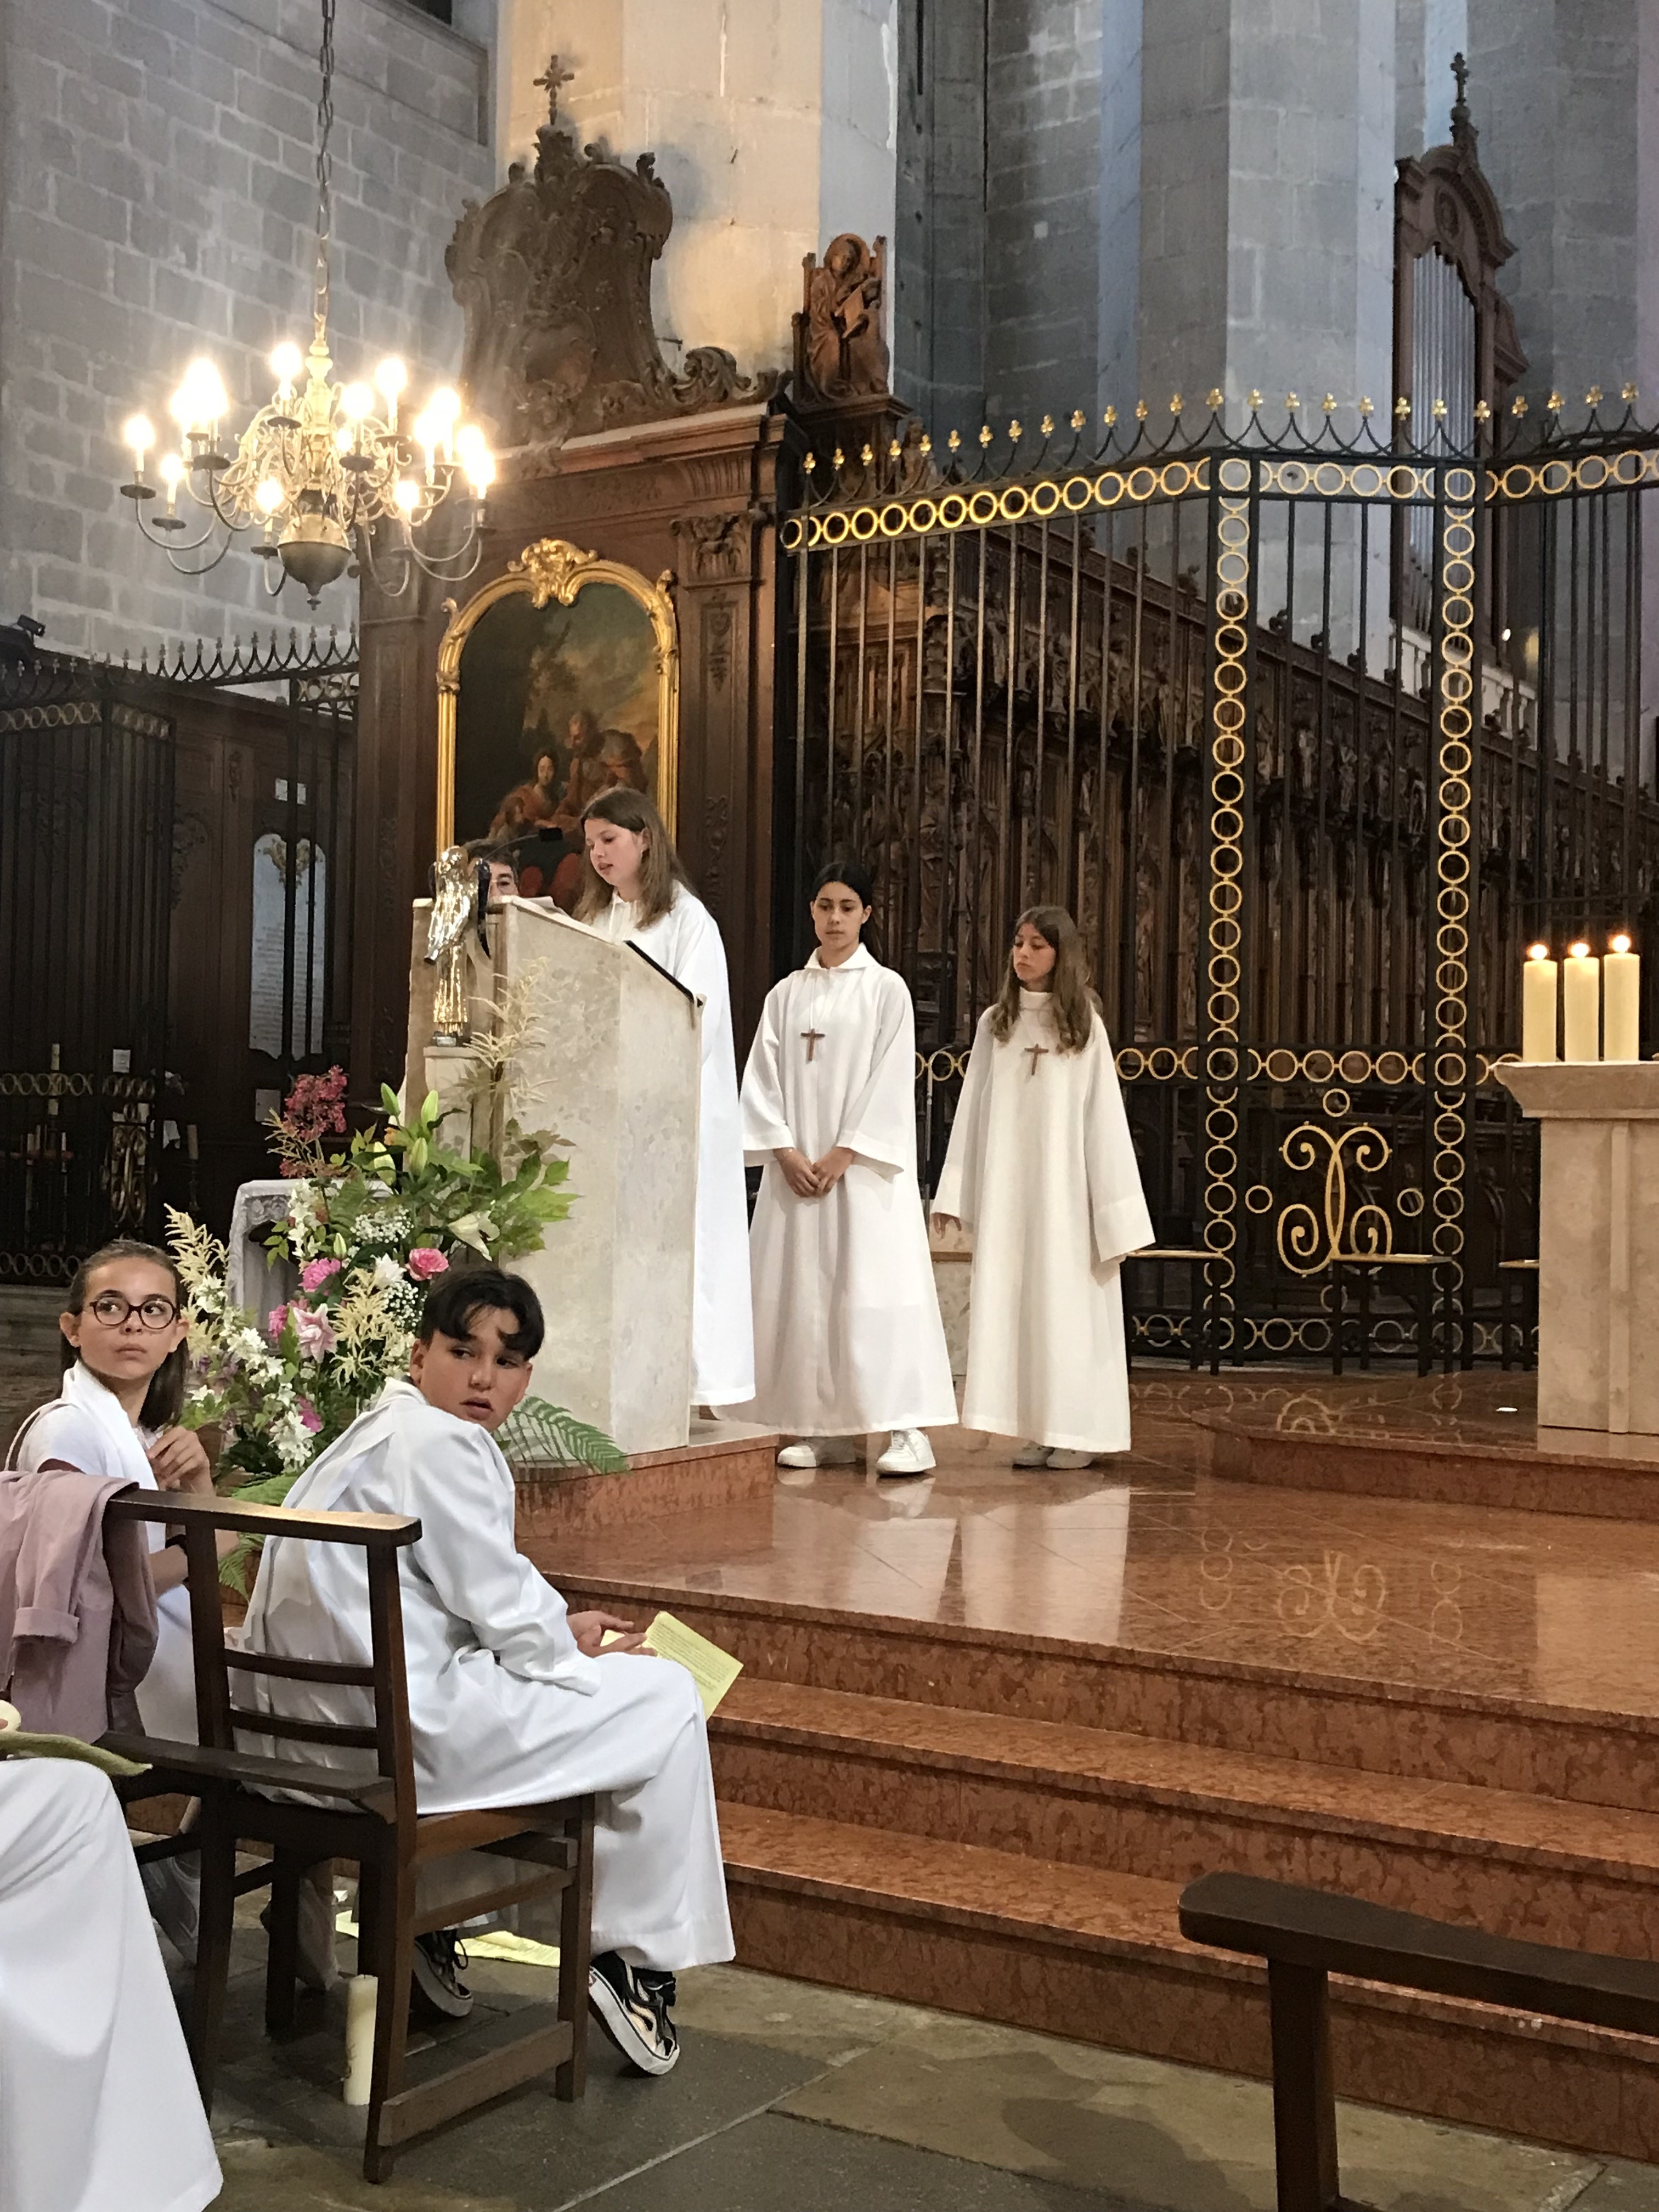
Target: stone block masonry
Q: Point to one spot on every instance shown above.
(158, 196)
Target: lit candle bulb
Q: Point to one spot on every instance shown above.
(141, 436)
(1538, 994)
(1621, 1002)
(1581, 1005)
(173, 470)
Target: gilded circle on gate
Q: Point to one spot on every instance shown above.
(982, 508)
(1258, 1199)
(1281, 1065)
(1045, 499)
(1234, 475)
(1078, 493)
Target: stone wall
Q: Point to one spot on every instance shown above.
(159, 199)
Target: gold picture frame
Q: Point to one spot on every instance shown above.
(553, 568)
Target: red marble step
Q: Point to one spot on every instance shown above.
(1586, 1876)
(1073, 1951)
(1578, 1754)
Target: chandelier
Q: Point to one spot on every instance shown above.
(324, 472)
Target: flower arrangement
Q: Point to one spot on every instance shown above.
(369, 1230)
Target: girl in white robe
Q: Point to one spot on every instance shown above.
(848, 1334)
(635, 889)
(1041, 1170)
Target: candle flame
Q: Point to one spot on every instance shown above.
(1538, 952)
(1621, 944)
(1581, 953)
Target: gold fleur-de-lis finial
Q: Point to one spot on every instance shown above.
(1482, 412)
(1142, 410)
(1593, 397)
(1292, 402)
(866, 456)
(1252, 399)
(927, 443)
(1015, 431)
(1215, 399)
(1628, 394)
(984, 434)
(1518, 407)
(841, 458)
(1438, 411)
(1110, 417)
(1176, 403)
(811, 462)
(1328, 403)
(954, 442)
(1046, 425)
(893, 449)
(1402, 408)
(1365, 407)
(1079, 420)
(1555, 403)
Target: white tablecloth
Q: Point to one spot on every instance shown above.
(255, 1279)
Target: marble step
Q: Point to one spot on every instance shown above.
(1578, 1754)
(1584, 1876)
(1076, 1951)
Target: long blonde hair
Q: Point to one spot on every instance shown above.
(1074, 1002)
(661, 870)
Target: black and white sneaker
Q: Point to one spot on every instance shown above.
(632, 2005)
(436, 1991)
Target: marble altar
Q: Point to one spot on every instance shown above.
(1598, 1242)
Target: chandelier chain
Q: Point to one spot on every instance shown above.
(325, 166)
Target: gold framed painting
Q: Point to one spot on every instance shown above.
(556, 682)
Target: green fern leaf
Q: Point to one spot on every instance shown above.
(537, 1433)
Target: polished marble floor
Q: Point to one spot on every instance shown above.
(1153, 1553)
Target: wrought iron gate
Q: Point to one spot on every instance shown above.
(1169, 683)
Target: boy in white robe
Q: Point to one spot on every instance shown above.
(848, 1334)
(511, 1701)
(1041, 1167)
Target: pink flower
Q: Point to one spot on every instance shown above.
(425, 1262)
(309, 1417)
(316, 1273)
(277, 1322)
(314, 1332)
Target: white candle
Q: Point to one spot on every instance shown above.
(1581, 1005)
(359, 2037)
(1538, 995)
(1621, 1002)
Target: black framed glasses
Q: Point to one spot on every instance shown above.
(110, 1308)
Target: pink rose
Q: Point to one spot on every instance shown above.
(314, 1332)
(425, 1262)
(309, 1417)
(316, 1273)
(278, 1321)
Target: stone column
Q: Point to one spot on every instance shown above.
(773, 123)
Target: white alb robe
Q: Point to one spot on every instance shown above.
(848, 1334)
(98, 2105)
(86, 1425)
(686, 941)
(1042, 1171)
(503, 1708)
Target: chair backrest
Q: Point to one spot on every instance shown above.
(219, 1717)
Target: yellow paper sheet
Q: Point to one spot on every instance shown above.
(712, 1670)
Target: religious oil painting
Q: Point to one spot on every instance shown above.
(560, 687)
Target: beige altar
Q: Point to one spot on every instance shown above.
(1598, 1240)
(609, 1061)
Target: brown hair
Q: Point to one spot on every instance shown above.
(165, 1399)
(1074, 1002)
(661, 870)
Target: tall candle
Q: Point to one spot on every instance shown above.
(1581, 1005)
(1538, 993)
(1621, 1002)
(359, 2037)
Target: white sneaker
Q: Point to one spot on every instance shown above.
(909, 1453)
(1031, 1456)
(1071, 1460)
(820, 1451)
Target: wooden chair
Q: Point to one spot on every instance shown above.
(1203, 1334)
(369, 1817)
(1306, 1936)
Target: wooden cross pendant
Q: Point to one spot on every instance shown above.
(1036, 1053)
(811, 1039)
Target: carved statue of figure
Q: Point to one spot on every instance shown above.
(460, 889)
(840, 352)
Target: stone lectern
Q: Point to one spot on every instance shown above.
(606, 1051)
(1598, 1240)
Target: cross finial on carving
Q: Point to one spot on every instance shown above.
(549, 81)
(1463, 130)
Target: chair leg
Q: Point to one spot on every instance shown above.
(282, 1951)
(1304, 2098)
(217, 1840)
(392, 1956)
(1337, 1287)
(575, 1933)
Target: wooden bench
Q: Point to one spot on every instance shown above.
(1306, 1935)
(366, 1814)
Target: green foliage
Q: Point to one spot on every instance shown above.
(536, 1434)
